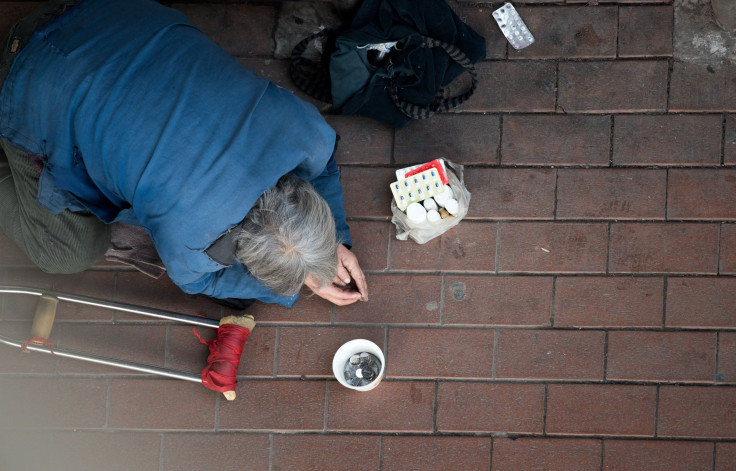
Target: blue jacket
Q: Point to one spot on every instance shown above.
(142, 119)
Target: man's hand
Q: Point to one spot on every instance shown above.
(348, 286)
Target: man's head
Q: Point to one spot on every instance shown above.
(289, 234)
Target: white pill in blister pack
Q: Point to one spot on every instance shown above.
(513, 27)
(416, 188)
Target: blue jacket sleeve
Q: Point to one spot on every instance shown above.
(328, 186)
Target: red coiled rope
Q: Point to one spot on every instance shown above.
(224, 358)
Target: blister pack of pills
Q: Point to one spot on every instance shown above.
(417, 188)
(513, 27)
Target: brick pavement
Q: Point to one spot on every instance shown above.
(581, 318)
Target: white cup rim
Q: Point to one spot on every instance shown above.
(351, 348)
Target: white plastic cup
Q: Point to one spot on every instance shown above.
(433, 216)
(452, 206)
(416, 213)
(429, 204)
(442, 198)
(349, 349)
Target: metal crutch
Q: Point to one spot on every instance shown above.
(43, 321)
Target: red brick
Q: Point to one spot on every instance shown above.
(699, 86)
(468, 246)
(556, 140)
(511, 193)
(692, 411)
(362, 140)
(569, 32)
(552, 247)
(308, 351)
(729, 150)
(94, 284)
(726, 372)
(608, 302)
(367, 191)
(701, 303)
(535, 354)
(634, 455)
(701, 194)
(186, 353)
(13, 360)
(645, 31)
(667, 140)
(611, 194)
(370, 243)
(137, 343)
(119, 451)
(440, 353)
(258, 354)
(725, 456)
(522, 86)
(141, 290)
(232, 452)
(727, 262)
(603, 87)
(275, 405)
(42, 403)
(242, 30)
(550, 454)
(663, 248)
(308, 309)
(320, 452)
(160, 404)
(490, 407)
(596, 409)
(436, 453)
(479, 19)
(661, 356)
(498, 300)
(403, 299)
(403, 406)
(463, 139)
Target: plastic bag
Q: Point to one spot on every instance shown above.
(426, 231)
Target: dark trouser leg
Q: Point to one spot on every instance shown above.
(58, 243)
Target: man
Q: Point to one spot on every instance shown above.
(122, 111)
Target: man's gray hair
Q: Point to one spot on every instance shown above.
(289, 234)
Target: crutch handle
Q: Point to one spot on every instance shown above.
(43, 320)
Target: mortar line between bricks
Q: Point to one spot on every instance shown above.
(666, 193)
(723, 139)
(544, 410)
(557, 89)
(656, 412)
(490, 451)
(670, 68)
(603, 453)
(611, 134)
(608, 248)
(495, 354)
(554, 201)
(552, 302)
(715, 373)
(605, 356)
(665, 283)
(618, 31)
(718, 250)
(435, 405)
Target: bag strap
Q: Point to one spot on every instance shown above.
(439, 104)
(311, 77)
